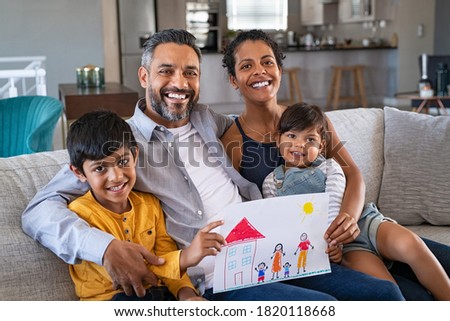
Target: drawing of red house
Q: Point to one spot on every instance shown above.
(240, 254)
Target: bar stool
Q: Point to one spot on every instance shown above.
(294, 86)
(334, 92)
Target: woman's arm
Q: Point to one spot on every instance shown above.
(344, 228)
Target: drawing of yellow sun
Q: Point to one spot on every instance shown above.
(306, 209)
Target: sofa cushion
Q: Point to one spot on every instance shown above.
(28, 270)
(432, 232)
(362, 132)
(415, 184)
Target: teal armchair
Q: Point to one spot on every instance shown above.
(28, 124)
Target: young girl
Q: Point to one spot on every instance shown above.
(302, 137)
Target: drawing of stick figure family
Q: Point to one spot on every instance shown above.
(277, 255)
(303, 246)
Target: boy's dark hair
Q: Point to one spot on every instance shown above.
(178, 36)
(303, 116)
(96, 135)
(228, 60)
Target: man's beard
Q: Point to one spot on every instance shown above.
(161, 108)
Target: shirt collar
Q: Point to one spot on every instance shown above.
(146, 125)
(142, 122)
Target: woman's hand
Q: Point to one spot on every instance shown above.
(344, 229)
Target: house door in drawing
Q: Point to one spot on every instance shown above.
(240, 254)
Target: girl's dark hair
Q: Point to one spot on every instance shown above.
(178, 36)
(229, 61)
(96, 135)
(303, 116)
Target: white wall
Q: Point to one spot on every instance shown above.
(67, 32)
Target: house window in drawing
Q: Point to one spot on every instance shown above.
(240, 255)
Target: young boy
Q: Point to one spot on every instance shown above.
(103, 153)
(302, 131)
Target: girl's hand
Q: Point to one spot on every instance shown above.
(344, 229)
(205, 243)
(334, 253)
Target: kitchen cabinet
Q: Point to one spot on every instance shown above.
(364, 10)
(202, 20)
(315, 12)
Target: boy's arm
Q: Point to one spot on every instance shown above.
(48, 221)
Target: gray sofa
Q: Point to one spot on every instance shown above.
(403, 156)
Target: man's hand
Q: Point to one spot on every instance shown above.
(126, 264)
(344, 229)
(204, 243)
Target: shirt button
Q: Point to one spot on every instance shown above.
(124, 219)
(149, 232)
(170, 144)
(126, 231)
(199, 212)
(186, 178)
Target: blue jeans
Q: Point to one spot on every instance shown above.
(350, 285)
(345, 284)
(155, 293)
(406, 279)
(277, 291)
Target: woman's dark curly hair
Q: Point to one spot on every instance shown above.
(229, 61)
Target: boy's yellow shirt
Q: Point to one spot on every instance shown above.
(144, 224)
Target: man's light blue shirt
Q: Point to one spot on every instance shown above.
(159, 171)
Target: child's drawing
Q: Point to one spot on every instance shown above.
(286, 268)
(240, 254)
(259, 231)
(276, 260)
(303, 246)
(261, 269)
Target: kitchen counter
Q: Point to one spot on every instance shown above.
(334, 48)
(319, 48)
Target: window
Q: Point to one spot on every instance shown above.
(232, 265)
(257, 14)
(247, 249)
(246, 260)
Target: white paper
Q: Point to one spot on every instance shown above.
(263, 239)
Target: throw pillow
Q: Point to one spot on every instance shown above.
(416, 176)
